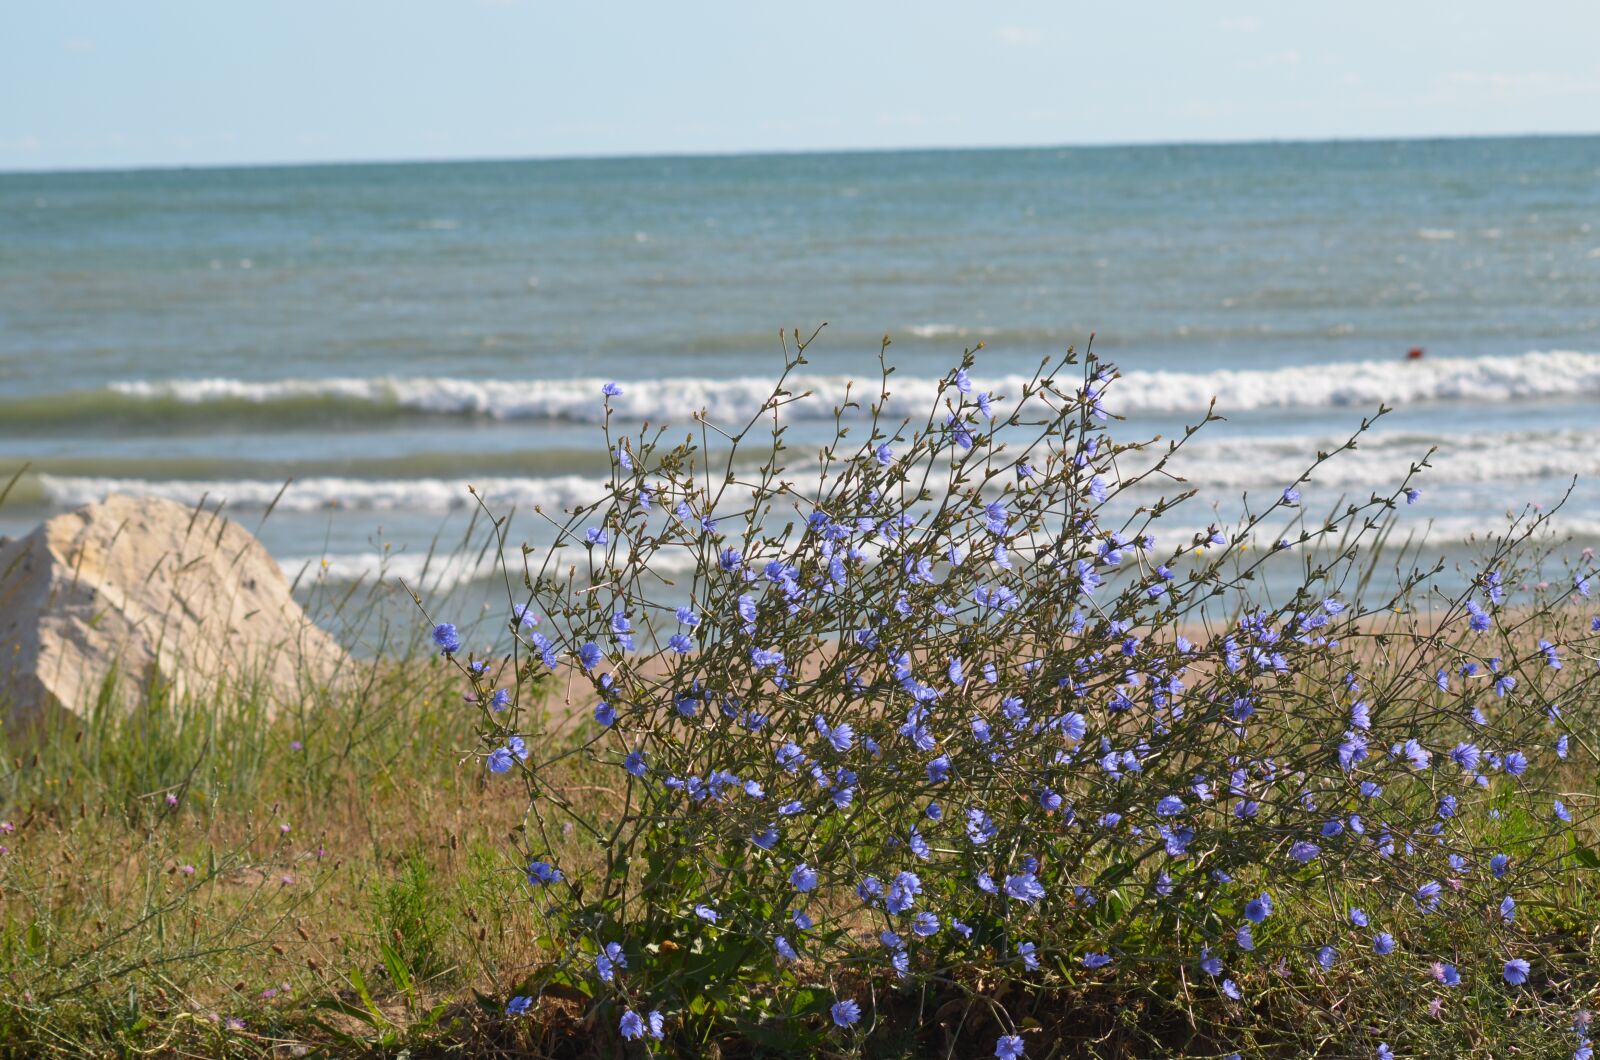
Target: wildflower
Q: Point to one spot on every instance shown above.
(705, 912)
(1096, 960)
(1008, 1047)
(1304, 852)
(1360, 716)
(803, 878)
(631, 1025)
(1231, 988)
(542, 873)
(446, 637)
(1446, 973)
(846, 1013)
(605, 713)
(1258, 909)
(1427, 896)
(1383, 944)
(518, 1005)
(1515, 971)
(840, 736)
(611, 390)
(1024, 887)
(609, 959)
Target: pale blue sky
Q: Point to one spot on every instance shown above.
(97, 83)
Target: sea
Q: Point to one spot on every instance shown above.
(353, 346)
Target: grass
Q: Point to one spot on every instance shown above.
(195, 876)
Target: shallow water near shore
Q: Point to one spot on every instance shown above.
(385, 335)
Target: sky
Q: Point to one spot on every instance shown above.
(116, 84)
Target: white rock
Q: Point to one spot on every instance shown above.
(139, 591)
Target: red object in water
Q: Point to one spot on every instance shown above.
(1414, 353)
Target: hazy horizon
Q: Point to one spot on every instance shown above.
(819, 152)
(101, 85)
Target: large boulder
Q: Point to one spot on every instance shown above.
(115, 599)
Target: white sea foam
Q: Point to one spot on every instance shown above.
(443, 571)
(1360, 384)
(446, 571)
(1219, 466)
(352, 494)
(1365, 384)
(1381, 459)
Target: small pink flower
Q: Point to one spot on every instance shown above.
(6, 828)
(286, 879)
(283, 829)
(172, 800)
(187, 870)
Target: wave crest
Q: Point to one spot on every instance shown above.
(1362, 384)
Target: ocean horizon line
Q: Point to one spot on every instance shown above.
(757, 154)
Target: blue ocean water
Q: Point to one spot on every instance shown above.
(384, 335)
